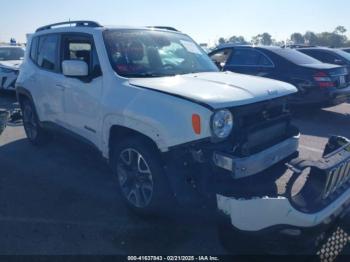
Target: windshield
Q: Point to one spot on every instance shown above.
(10, 53)
(342, 54)
(147, 53)
(295, 56)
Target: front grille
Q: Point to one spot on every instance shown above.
(336, 179)
(261, 115)
(260, 126)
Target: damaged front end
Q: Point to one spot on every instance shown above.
(317, 193)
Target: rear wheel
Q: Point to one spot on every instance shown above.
(35, 133)
(142, 181)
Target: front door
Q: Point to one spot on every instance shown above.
(82, 94)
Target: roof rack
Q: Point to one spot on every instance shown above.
(164, 28)
(81, 23)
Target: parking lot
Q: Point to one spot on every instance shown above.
(61, 199)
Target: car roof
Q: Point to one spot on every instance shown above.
(91, 26)
(317, 48)
(259, 47)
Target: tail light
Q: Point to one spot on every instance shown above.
(323, 79)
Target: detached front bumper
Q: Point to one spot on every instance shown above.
(254, 164)
(304, 214)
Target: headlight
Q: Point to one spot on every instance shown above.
(222, 124)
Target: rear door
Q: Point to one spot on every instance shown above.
(82, 94)
(250, 61)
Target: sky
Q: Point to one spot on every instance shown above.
(204, 20)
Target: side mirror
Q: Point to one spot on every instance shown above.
(75, 68)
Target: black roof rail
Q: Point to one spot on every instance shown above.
(164, 28)
(81, 23)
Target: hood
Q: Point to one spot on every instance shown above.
(218, 89)
(11, 64)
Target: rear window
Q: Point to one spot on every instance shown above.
(342, 54)
(295, 56)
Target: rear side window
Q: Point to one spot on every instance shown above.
(47, 52)
(249, 57)
(295, 56)
(322, 56)
(34, 49)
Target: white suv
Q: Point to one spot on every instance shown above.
(153, 103)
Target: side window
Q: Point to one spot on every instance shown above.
(245, 57)
(81, 48)
(264, 61)
(34, 49)
(47, 52)
(221, 56)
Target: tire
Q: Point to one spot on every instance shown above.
(141, 179)
(35, 133)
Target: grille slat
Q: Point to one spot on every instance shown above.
(347, 172)
(336, 179)
(341, 176)
(328, 184)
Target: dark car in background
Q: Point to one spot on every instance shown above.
(319, 84)
(328, 55)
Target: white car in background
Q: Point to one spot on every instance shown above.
(11, 58)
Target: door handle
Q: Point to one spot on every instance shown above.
(62, 87)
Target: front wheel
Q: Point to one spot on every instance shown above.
(142, 181)
(35, 133)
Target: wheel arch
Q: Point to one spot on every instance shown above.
(22, 94)
(119, 132)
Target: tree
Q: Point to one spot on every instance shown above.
(221, 41)
(331, 39)
(297, 39)
(262, 39)
(340, 30)
(310, 38)
(237, 40)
